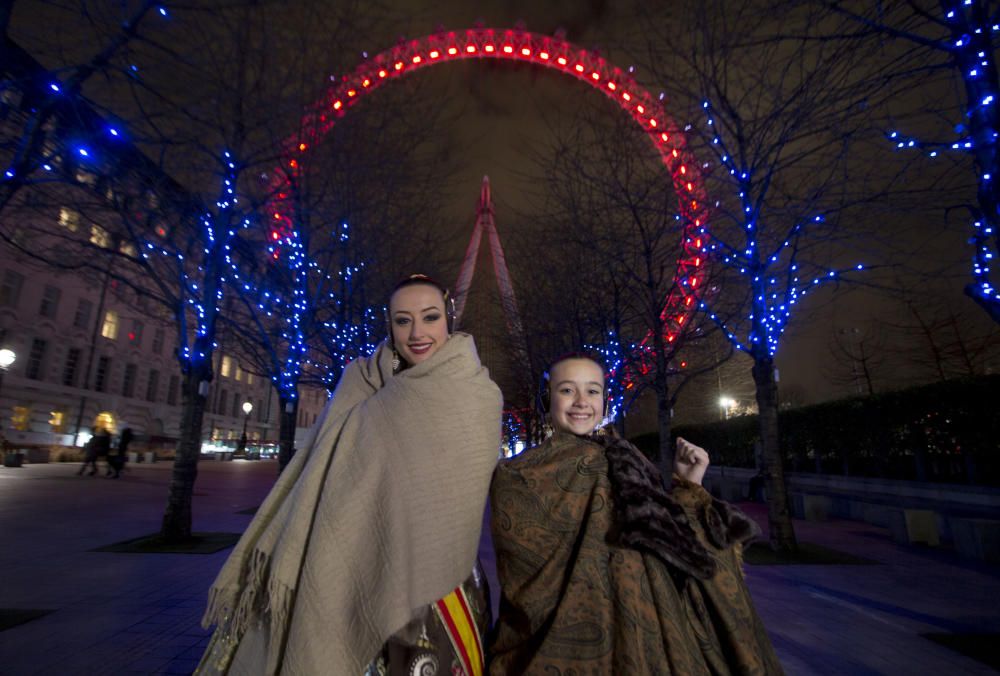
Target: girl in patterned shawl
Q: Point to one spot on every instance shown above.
(603, 569)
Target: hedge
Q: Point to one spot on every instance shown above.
(943, 432)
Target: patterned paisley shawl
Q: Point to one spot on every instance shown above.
(615, 575)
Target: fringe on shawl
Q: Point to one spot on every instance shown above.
(262, 595)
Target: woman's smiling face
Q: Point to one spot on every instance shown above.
(419, 324)
(576, 395)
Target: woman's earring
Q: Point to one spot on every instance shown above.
(395, 361)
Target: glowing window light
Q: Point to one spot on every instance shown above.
(471, 49)
(417, 59)
(579, 67)
(489, 49)
(561, 61)
(507, 49)
(525, 51)
(435, 54)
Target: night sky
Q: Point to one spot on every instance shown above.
(503, 110)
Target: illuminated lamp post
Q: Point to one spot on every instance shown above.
(241, 447)
(727, 404)
(7, 358)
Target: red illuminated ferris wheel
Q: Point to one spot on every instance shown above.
(549, 52)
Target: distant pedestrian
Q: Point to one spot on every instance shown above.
(116, 461)
(90, 453)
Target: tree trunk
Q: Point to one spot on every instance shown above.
(177, 517)
(666, 460)
(779, 516)
(286, 431)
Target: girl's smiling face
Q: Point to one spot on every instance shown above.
(576, 395)
(419, 324)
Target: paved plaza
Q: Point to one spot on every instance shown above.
(113, 613)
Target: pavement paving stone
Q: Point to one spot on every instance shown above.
(140, 613)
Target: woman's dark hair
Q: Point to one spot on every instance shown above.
(414, 280)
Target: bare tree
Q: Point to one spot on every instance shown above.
(776, 120)
(612, 216)
(858, 357)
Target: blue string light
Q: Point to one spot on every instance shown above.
(970, 51)
(771, 277)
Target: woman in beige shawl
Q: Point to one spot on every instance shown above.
(374, 525)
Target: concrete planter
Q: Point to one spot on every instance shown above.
(38, 455)
(977, 538)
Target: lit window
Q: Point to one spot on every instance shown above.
(21, 419)
(239, 373)
(110, 327)
(99, 236)
(105, 421)
(227, 366)
(58, 421)
(128, 249)
(86, 177)
(69, 219)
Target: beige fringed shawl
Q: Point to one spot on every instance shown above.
(378, 516)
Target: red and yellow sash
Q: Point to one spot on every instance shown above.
(456, 616)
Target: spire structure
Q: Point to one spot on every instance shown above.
(486, 226)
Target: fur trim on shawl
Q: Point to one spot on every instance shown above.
(378, 515)
(653, 519)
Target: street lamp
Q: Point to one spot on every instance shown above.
(727, 404)
(241, 448)
(7, 358)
